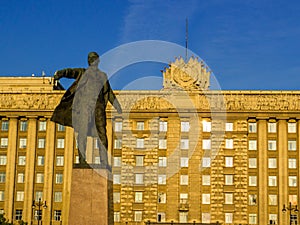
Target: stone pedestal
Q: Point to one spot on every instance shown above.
(91, 200)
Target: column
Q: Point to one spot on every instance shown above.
(30, 169)
(262, 172)
(68, 168)
(282, 171)
(49, 168)
(11, 168)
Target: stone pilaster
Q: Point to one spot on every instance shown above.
(11, 168)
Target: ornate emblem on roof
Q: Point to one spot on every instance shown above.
(192, 75)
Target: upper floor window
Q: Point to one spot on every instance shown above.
(4, 125)
(292, 128)
(139, 160)
(23, 142)
(206, 144)
(117, 161)
(118, 126)
(2, 160)
(59, 160)
(292, 145)
(23, 125)
(206, 126)
(140, 142)
(42, 125)
(60, 143)
(252, 127)
(184, 143)
(229, 127)
(229, 143)
(272, 127)
(252, 145)
(228, 161)
(4, 142)
(163, 126)
(140, 125)
(162, 161)
(60, 127)
(185, 126)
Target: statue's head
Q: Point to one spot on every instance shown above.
(93, 58)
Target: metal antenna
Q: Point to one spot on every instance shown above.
(186, 39)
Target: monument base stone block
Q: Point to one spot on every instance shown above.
(91, 200)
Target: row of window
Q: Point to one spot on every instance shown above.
(38, 215)
(39, 178)
(207, 126)
(40, 160)
(41, 142)
(23, 125)
(20, 196)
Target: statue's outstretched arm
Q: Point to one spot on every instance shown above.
(69, 73)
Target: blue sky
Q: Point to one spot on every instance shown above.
(247, 44)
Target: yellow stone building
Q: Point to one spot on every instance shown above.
(183, 154)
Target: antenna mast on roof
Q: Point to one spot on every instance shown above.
(186, 39)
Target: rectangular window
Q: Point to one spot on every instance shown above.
(97, 160)
(292, 128)
(185, 126)
(293, 199)
(117, 161)
(161, 217)
(184, 162)
(23, 125)
(228, 198)
(116, 179)
(2, 160)
(138, 197)
(57, 215)
(2, 194)
(162, 144)
(229, 179)
(38, 214)
(253, 199)
(59, 178)
(41, 160)
(138, 216)
(19, 213)
(38, 196)
(162, 179)
(39, 178)
(272, 127)
(205, 199)
(163, 126)
(272, 181)
(272, 145)
(229, 143)
(292, 145)
(21, 178)
(273, 218)
(206, 144)
(183, 217)
(252, 181)
(252, 145)
(42, 125)
(58, 196)
(60, 160)
(118, 144)
(228, 218)
(293, 181)
(252, 128)
(272, 163)
(162, 198)
(60, 143)
(41, 142)
(22, 160)
(2, 177)
(23, 142)
(205, 162)
(20, 196)
(252, 163)
(206, 126)
(139, 160)
(206, 180)
(140, 125)
(118, 126)
(184, 198)
(272, 199)
(184, 180)
(292, 163)
(140, 142)
(205, 217)
(252, 218)
(228, 126)
(162, 161)
(117, 217)
(184, 144)
(139, 178)
(228, 161)
(116, 197)
(4, 142)
(61, 128)
(4, 125)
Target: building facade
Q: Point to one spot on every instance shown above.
(183, 154)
